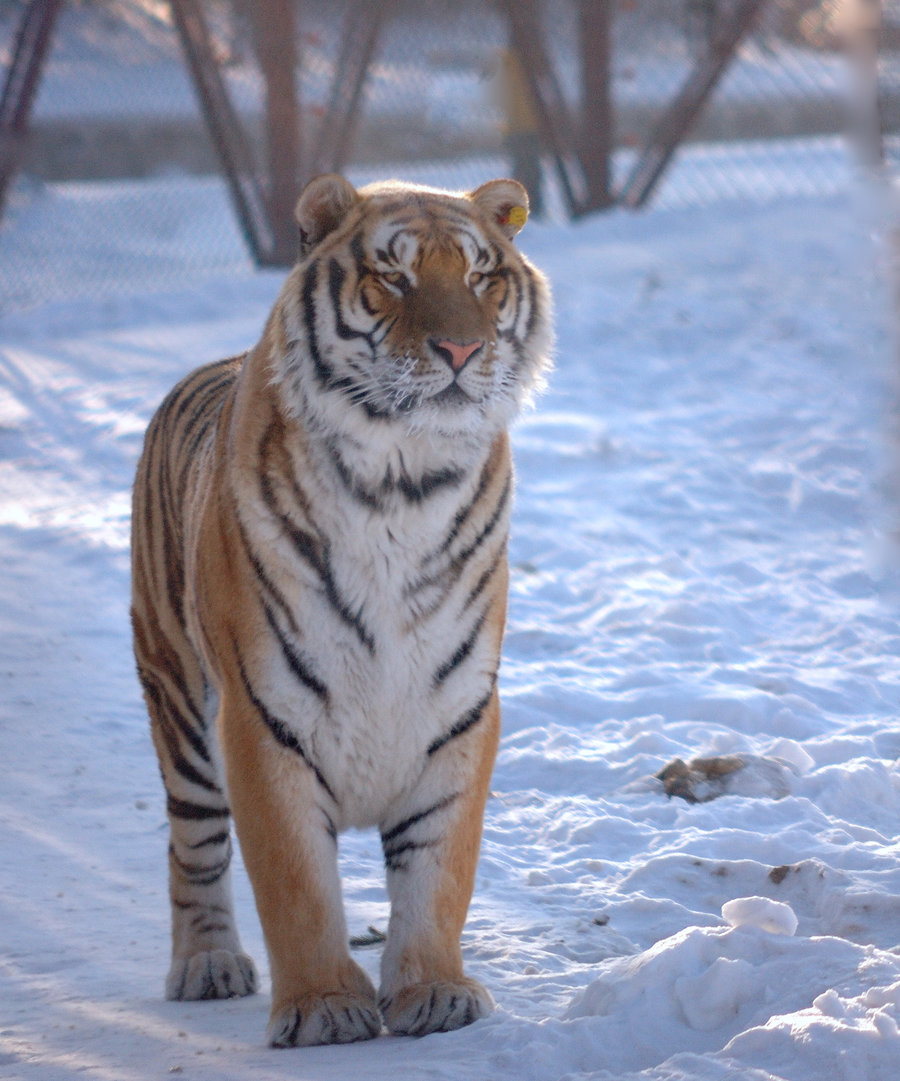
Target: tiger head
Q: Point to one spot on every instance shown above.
(413, 306)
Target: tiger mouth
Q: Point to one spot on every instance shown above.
(453, 396)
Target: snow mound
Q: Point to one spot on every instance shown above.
(776, 917)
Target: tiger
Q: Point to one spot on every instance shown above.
(319, 593)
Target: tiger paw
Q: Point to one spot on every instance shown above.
(211, 974)
(341, 1017)
(436, 1007)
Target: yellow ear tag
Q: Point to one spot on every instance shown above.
(517, 216)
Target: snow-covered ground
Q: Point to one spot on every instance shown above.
(701, 566)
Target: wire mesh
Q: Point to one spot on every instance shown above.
(117, 137)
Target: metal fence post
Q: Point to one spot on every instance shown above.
(557, 130)
(865, 43)
(597, 120)
(275, 42)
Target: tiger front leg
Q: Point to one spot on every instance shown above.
(208, 961)
(281, 808)
(431, 852)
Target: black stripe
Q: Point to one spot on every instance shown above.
(486, 576)
(351, 483)
(330, 827)
(201, 874)
(428, 484)
(413, 820)
(205, 413)
(166, 708)
(463, 514)
(306, 544)
(447, 575)
(174, 570)
(315, 553)
(357, 394)
(451, 573)
(185, 769)
(466, 721)
(413, 491)
(277, 727)
(205, 926)
(324, 372)
(195, 811)
(461, 652)
(262, 576)
(185, 905)
(490, 525)
(294, 661)
(214, 839)
(336, 278)
(532, 301)
(392, 855)
(357, 250)
(181, 398)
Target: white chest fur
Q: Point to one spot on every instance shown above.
(378, 617)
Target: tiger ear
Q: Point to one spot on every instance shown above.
(322, 206)
(504, 202)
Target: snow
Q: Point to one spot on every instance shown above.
(701, 566)
(773, 916)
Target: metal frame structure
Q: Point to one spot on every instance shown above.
(263, 196)
(685, 107)
(254, 213)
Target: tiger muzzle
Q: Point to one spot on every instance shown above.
(456, 354)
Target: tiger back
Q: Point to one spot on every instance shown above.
(319, 598)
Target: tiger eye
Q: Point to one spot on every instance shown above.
(397, 279)
(481, 281)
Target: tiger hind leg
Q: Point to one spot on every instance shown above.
(208, 961)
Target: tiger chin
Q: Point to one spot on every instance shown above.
(319, 598)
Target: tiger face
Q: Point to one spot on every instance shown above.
(415, 307)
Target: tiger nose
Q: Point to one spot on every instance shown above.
(456, 354)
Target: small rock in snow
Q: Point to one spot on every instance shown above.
(705, 779)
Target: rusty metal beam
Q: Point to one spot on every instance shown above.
(684, 109)
(360, 40)
(228, 138)
(32, 44)
(595, 22)
(557, 130)
(275, 41)
(865, 37)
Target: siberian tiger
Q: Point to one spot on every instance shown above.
(319, 597)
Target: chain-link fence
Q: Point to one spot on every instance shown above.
(121, 183)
